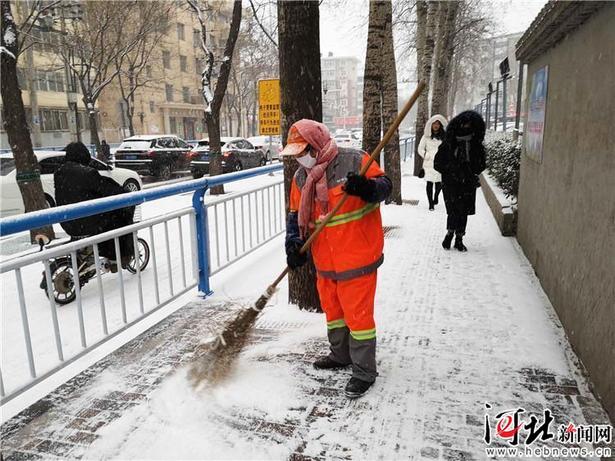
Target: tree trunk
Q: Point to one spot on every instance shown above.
(440, 32)
(392, 162)
(229, 120)
(15, 124)
(131, 128)
(301, 97)
(215, 150)
(443, 58)
(254, 123)
(130, 108)
(421, 19)
(239, 124)
(372, 78)
(220, 91)
(425, 28)
(94, 139)
(453, 85)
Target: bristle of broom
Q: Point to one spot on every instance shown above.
(213, 362)
(260, 304)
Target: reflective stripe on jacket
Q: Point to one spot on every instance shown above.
(351, 243)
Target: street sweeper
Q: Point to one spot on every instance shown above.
(348, 250)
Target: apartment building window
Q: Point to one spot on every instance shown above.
(186, 94)
(84, 120)
(49, 81)
(169, 92)
(54, 120)
(183, 63)
(148, 71)
(181, 31)
(173, 125)
(196, 38)
(152, 107)
(166, 59)
(197, 66)
(45, 41)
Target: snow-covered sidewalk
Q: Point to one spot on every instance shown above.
(456, 331)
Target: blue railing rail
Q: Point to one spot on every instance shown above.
(41, 218)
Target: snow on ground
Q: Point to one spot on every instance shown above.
(455, 331)
(15, 371)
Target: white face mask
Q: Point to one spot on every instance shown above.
(307, 161)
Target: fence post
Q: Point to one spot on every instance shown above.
(202, 230)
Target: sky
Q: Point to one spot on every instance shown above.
(343, 23)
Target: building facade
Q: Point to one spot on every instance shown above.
(171, 102)
(55, 111)
(566, 203)
(492, 51)
(339, 85)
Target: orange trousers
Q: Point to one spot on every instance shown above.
(350, 303)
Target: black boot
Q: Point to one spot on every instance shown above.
(327, 363)
(459, 243)
(356, 387)
(446, 243)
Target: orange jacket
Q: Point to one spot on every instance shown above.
(351, 243)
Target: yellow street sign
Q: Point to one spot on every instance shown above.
(269, 107)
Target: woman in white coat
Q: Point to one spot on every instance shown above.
(428, 147)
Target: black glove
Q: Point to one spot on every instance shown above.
(360, 186)
(294, 258)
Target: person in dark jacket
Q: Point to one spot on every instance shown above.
(75, 181)
(460, 159)
(105, 152)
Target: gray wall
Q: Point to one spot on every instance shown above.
(566, 220)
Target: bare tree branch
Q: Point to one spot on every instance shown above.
(261, 25)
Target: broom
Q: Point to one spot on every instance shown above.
(219, 356)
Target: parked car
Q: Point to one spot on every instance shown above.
(155, 155)
(49, 162)
(237, 154)
(347, 140)
(270, 145)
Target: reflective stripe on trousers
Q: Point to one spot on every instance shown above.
(349, 308)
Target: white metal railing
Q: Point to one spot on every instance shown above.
(244, 222)
(106, 306)
(186, 246)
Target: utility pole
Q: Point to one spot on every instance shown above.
(71, 90)
(35, 120)
(30, 77)
(497, 100)
(489, 93)
(519, 98)
(504, 72)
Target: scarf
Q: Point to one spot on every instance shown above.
(315, 188)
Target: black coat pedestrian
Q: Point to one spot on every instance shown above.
(460, 159)
(75, 181)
